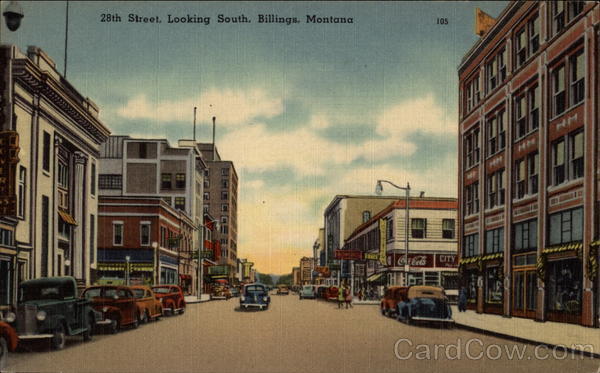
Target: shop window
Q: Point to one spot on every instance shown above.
(165, 181)
(471, 245)
(418, 228)
(494, 288)
(180, 181)
(448, 228)
(471, 147)
(563, 285)
(471, 280)
(525, 236)
(494, 241)
(566, 226)
(432, 278)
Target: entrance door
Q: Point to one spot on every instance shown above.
(524, 293)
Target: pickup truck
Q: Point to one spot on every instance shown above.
(50, 308)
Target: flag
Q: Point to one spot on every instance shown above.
(483, 22)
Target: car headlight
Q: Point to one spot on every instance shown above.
(242, 298)
(264, 299)
(41, 315)
(104, 309)
(10, 317)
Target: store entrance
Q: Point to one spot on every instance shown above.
(524, 293)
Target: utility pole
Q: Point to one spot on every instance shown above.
(213, 142)
(195, 125)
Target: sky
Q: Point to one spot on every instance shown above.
(306, 111)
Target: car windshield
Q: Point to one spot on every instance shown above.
(161, 290)
(255, 289)
(138, 293)
(39, 292)
(307, 288)
(92, 293)
(430, 307)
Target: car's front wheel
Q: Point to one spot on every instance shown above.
(145, 317)
(59, 338)
(114, 326)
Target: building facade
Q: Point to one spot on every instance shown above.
(50, 138)
(306, 268)
(432, 245)
(220, 200)
(529, 164)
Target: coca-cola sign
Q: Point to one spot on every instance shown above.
(414, 260)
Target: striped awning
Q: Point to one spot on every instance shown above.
(374, 277)
(66, 217)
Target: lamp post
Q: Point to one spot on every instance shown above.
(127, 259)
(378, 191)
(155, 262)
(13, 13)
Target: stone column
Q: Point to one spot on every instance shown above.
(78, 237)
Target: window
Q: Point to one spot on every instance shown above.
(533, 29)
(472, 94)
(205, 208)
(525, 236)
(46, 152)
(419, 228)
(224, 195)
(92, 238)
(566, 226)
(494, 287)
(366, 216)
(106, 181)
(577, 66)
(63, 175)
(564, 285)
(448, 228)
(533, 105)
(143, 150)
(533, 162)
(224, 219)
(180, 203)
(224, 229)
(180, 181)
(471, 148)
(527, 113)
(494, 241)
(526, 175)
(471, 245)
(224, 207)
(496, 132)
(520, 181)
(390, 229)
(495, 189)
(22, 191)
(558, 90)
(6, 237)
(93, 179)
(165, 181)
(558, 16)
(117, 234)
(168, 200)
(207, 196)
(206, 183)
(45, 235)
(496, 70)
(224, 172)
(145, 234)
(224, 183)
(207, 173)
(472, 198)
(527, 40)
(568, 164)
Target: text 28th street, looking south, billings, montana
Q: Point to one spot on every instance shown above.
(224, 19)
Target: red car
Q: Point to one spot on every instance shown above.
(171, 297)
(149, 308)
(391, 298)
(117, 305)
(8, 342)
(332, 293)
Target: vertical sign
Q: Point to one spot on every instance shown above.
(382, 241)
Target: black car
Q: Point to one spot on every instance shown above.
(255, 296)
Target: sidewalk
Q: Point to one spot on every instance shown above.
(569, 336)
(194, 298)
(367, 302)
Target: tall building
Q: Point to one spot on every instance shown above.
(343, 214)
(529, 164)
(306, 268)
(50, 138)
(220, 200)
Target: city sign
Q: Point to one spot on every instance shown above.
(348, 254)
(446, 260)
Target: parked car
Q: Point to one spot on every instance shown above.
(220, 292)
(391, 298)
(321, 292)
(117, 305)
(49, 308)
(282, 290)
(255, 295)
(8, 342)
(425, 304)
(149, 308)
(307, 292)
(171, 297)
(332, 293)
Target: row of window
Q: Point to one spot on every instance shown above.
(224, 208)
(567, 164)
(418, 228)
(166, 181)
(526, 43)
(224, 195)
(563, 227)
(224, 172)
(224, 183)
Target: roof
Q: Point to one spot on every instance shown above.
(426, 292)
(56, 280)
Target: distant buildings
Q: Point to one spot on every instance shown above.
(296, 276)
(528, 164)
(50, 138)
(306, 268)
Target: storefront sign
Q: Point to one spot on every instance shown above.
(246, 269)
(133, 267)
(9, 150)
(359, 269)
(218, 270)
(414, 260)
(371, 256)
(348, 254)
(382, 241)
(446, 260)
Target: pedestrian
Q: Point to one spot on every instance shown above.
(348, 298)
(341, 297)
(462, 299)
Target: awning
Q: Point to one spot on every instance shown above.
(66, 217)
(374, 277)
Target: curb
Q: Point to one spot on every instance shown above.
(594, 355)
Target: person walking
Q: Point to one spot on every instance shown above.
(462, 299)
(341, 297)
(348, 297)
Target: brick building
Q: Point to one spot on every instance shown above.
(529, 163)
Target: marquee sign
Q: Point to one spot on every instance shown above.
(422, 260)
(348, 254)
(382, 241)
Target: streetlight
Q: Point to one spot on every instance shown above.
(155, 262)
(127, 259)
(13, 13)
(378, 191)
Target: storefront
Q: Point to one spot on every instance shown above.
(425, 269)
(563, 270)
(524, 285)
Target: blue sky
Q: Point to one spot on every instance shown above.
(305, 111)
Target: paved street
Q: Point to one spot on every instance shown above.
(292, 336)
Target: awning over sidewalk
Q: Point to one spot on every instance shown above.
(374, 277)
